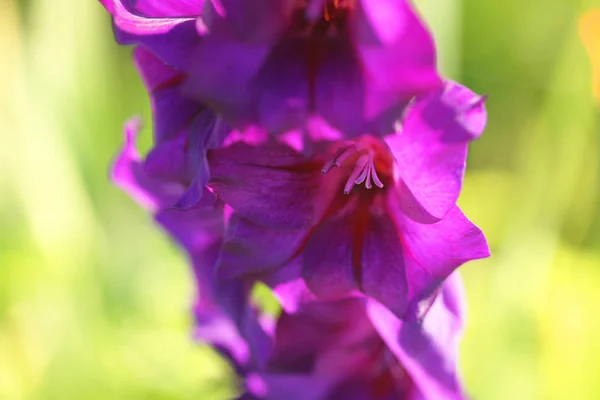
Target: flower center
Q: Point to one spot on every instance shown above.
(322, 17)
(368, 158)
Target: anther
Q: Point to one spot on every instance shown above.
(364, 167)
(364, 171)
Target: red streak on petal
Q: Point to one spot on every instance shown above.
(310, 166)
(383, 385)
(186, 146)
(314, 55)
(170, 83)
(362, 222)
(337, 204)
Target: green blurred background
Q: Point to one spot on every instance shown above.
(94, 299)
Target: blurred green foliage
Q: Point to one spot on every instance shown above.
(94, 300)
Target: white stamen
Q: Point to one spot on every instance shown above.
(376, 179)
(365, 172)
(332, 163)
(368, 183)
(364, 168)
(358, 169)
(348, 151)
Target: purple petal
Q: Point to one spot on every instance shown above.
(339, 88)
(168, 160)
(219, 331)
(271, 185)
(129, 173)
(230, 299)
(469, 116)
(183, 130)
(171, 39)
(296, 387)
(384, 276)
(169, 8)
(194, 229)
(404, 262)
(220, 73)
(434, 251)
(328, 265)
(172, 112)
(224, 69)
(282, 87)
(293, 293)
(431, 150)
(428, 350)
(253, 250)
(320, 333)
(220, 323)
(252, 22)
(360, 388)
(196, 193)
(397, 55)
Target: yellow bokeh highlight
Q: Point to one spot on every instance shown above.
(589, 31)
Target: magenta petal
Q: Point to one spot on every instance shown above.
(169, 8)
(253, 22)
(218, 323)
(382, 21)
(284, 95)
(328, 265)
(168, 160)
(271, 185)
(434, 251)
(320, 335)
(220, 73)
(468, 116)
(196, 194)
(293, 293)
(217, 301)
(171, 39)
(171, 111)
(296, 387)
(230, 299)
(253, 250)
(404, 262)
(196, 229)
(384, 275)
(339, 88)
(129, 173)
(428, 350)
(288, 286)
(396, 52)
(219, 331)
(431, 150)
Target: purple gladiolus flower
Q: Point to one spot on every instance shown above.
(276, 63)
(351, 348)
(373, 215)
(354, 348)
(310, 145)
(184, 130)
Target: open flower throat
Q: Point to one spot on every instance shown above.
(318, 17)
(367, 160)
(319, 28)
